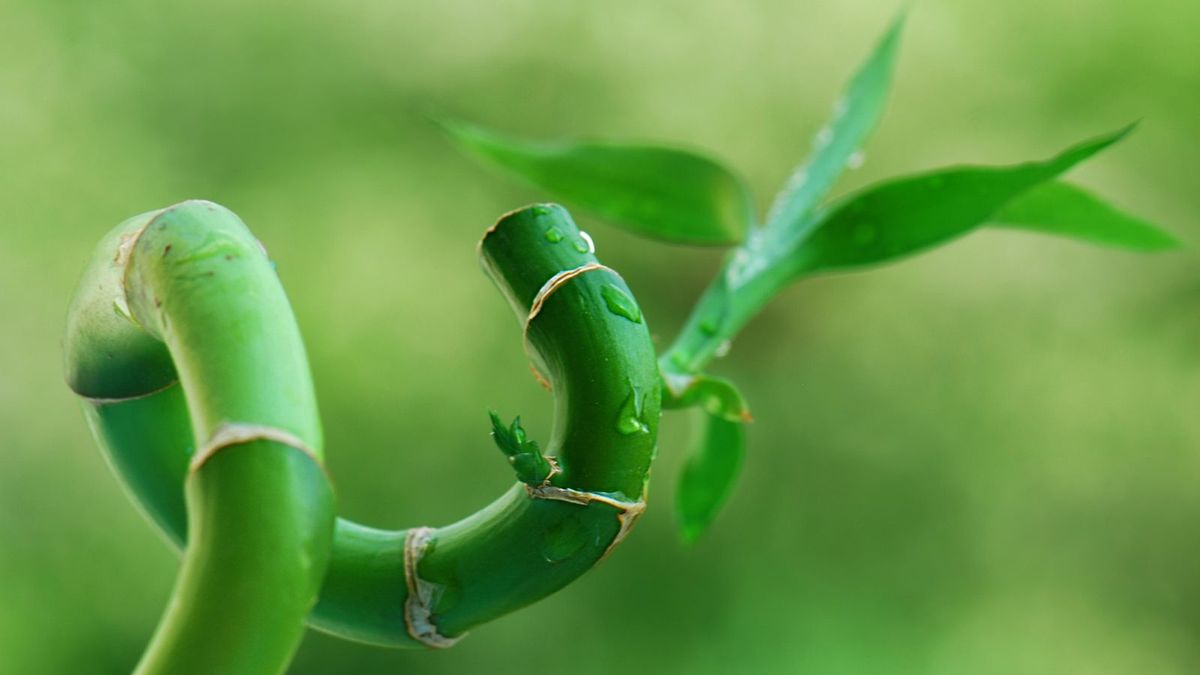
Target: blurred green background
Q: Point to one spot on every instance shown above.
(982, 460)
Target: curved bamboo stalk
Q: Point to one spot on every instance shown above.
(187, 293)
(425, 586)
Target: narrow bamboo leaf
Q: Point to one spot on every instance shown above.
(716, 395)
(523, 454)
(1064, 209)
(708, 474)
(837, 143)
(662, 193)
(904, 216)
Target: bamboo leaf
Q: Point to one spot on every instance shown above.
(837, 143)
(708, 474)
(523, 454)
(662, 193)
(1066, 210)
(908, 215)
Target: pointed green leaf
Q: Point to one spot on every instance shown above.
(523, 454)
(837, 143)
(904, 216)
(657, 192)
(708, 474)
(1069, 211)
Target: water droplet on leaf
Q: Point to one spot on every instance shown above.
(553, 235)
(798, 179)
(823, 137)
(723, 349)
(620, 303)
(855, 161)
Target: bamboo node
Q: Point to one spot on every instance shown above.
(237, 433)
(552, 284)
(418, 606)
(627, 512)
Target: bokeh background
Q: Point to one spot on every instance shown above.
(983, 460)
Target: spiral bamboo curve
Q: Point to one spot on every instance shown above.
(192, 373)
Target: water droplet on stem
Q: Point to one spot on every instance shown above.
(620, 303)
(585, 244)
(563, 540)
(629, 420)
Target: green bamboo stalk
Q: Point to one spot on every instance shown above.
(190, 286)
(425, 586)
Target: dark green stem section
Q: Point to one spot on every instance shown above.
(587, 339)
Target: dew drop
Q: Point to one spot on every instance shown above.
(563, 540)
(798, 179)
(541, 210)
(553, 235)
(855, 161)
(629, 420)
(709, 326)
(823, 137)
(723, 349)
(585, 244)
(620, 303)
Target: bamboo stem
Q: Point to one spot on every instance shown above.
(187, 293)
(583, 333)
